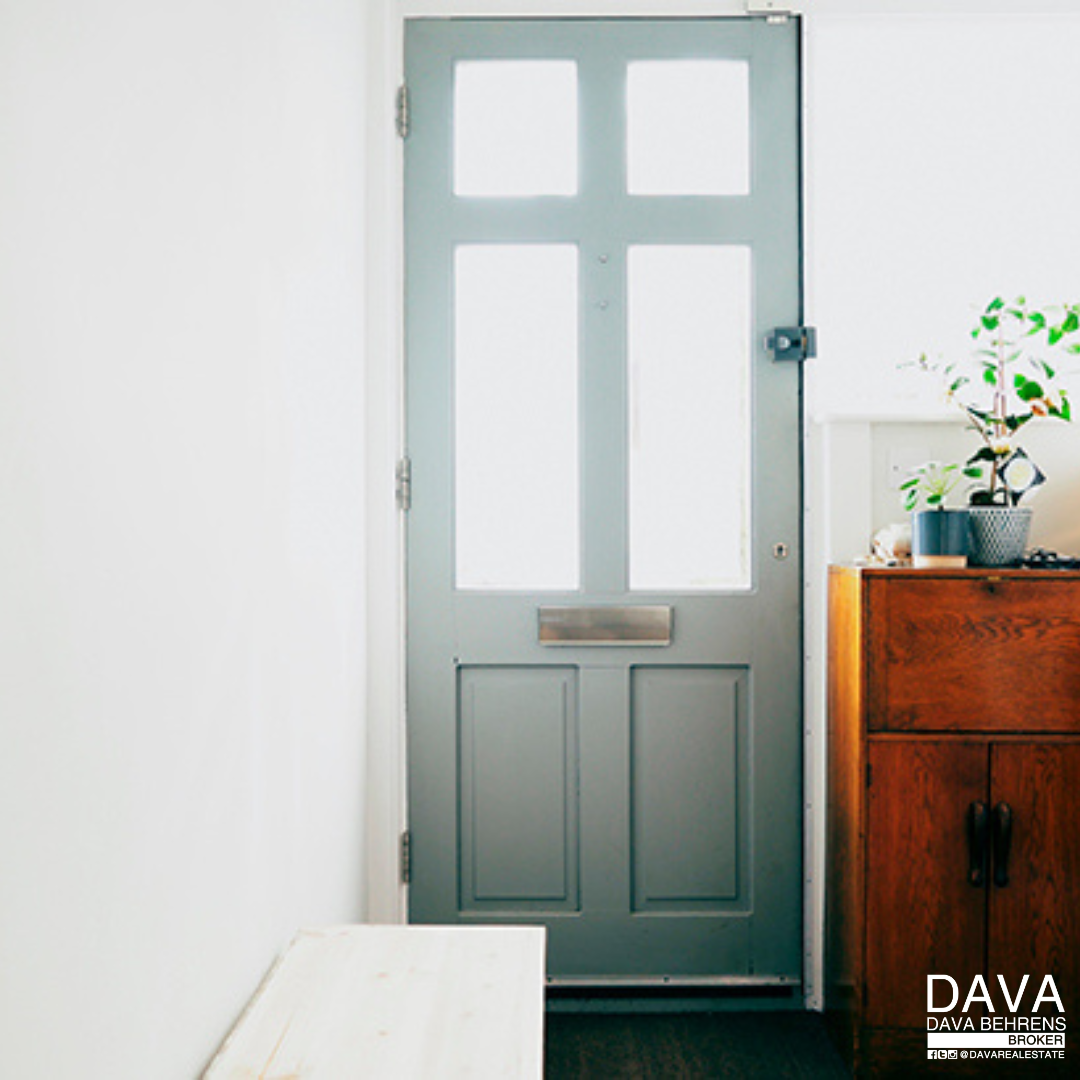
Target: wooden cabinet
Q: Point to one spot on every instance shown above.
(954, 802)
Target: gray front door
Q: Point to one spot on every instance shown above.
(603, 544)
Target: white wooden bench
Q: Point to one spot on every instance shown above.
(395, 1003)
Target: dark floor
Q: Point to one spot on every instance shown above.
(689, 1046)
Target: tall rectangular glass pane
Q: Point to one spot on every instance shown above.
(516, 416)
(688, 127)
(689, 355)
(515, 127)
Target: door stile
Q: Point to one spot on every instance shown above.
(603, 343)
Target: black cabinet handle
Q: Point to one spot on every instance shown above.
(978, 819)
(1003, 822)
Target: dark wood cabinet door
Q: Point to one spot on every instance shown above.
(1035, 918)
(923, 915)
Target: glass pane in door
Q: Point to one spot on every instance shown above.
(688, 127)
(516, 416)
(689, 359)
(515, 127)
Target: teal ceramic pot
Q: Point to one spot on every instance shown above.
(939, 538)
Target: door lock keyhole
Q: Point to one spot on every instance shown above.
(780, 551)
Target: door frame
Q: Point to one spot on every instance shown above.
(385, 897)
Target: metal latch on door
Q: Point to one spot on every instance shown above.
(792, 342)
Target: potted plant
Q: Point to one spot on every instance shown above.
(1009, 380)
(939, 535)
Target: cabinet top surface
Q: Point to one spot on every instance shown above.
(956, 575)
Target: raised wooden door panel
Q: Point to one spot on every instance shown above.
(922, 914)
(1035, 916)
(945, 652)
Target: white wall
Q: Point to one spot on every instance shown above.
(181, 516)
(936, 180)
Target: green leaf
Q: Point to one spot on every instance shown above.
(910, 482)
(1066, 409)
(1047, 369)
(1074, 349)
(1071, 323)
(973, 472)
(990, 322)
(1055, 335)
(1030, 391)
(990, 375)
(1038, 318)
(984, 453)
(911, 500)
(995, 305)
(934, 500)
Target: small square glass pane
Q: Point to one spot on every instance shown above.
(515, 127)
(516, 416)
(689, 356)
(688, 127)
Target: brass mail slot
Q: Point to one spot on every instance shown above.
(638, 625)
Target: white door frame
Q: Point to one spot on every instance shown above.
(384, 426)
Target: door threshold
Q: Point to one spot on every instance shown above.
(662, 982)
(674, 998)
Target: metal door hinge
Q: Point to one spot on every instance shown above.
(401, 111)
(406, 857)
(403, 484)
(792, 343)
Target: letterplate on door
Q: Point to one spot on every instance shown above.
(606, 625)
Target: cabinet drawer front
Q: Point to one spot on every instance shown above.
(980, 653)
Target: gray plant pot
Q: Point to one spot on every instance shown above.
(999, 535)
(939, 538)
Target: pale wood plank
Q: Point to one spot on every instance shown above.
(395, 1002)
